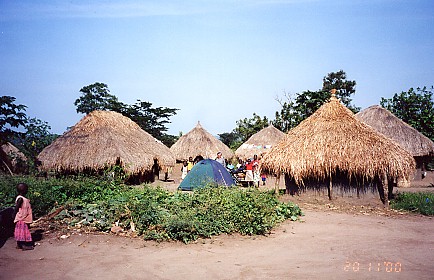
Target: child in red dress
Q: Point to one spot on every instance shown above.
(23, 218)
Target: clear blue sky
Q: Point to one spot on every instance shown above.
(217, 61)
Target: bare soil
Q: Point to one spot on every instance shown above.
(346, 238)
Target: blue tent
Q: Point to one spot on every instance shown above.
(204, 173)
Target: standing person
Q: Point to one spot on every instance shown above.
(256, 171)
(190, 164)
(184, 169)
(249, 172)
(220, 159)
(23, 218)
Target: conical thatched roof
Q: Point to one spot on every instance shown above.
(105, 138)
(332, 140)
(13, 153)
(394, 128)
(198, 141)
(260, 142)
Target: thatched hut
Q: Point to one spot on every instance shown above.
(417, 144)
(198, 141)
(260, 143)
(103, 139)
(12, 160)
(333, 148)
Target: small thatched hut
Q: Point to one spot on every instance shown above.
(383, 121)
(260, 143)
(198, 141)
(332, 147)
(103, 139)
(12, 159)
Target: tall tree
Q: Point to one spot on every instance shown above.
(11, 116)
(415, 107)
(247, 127)
(344, 88)
(97, 97)
(304, 104)
(153, 120)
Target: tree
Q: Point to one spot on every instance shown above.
(36, 137)
(304, 104)
(247, 127)
(97, 97)
(415, 107)
(11, 116)
(231, 139)
(152, 120)
(244, 129)
(344, 88)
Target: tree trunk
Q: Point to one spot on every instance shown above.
(330, 188)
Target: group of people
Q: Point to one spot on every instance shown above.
(249, 171)
(188, 165)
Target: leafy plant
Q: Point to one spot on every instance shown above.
(422, 203)
(153, 213)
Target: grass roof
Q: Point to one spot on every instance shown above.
(198, 141)
(260, 142)
(333, 141)
(105, 138)
(394, 128)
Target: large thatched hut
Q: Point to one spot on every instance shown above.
(260, 143)
(12, 160)
(383, 121)
(197, 142)
(333, 148)
(103, 139)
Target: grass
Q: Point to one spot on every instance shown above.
(421, 202)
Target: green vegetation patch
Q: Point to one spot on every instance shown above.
(154, 213)
(421, 202)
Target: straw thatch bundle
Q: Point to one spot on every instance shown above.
(198, 141)
(394, 128)
(260, 142)
(332, 143)
(102, 139)
(12, 159)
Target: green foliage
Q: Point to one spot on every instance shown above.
(296, 109)
(11, 116)
(47, 194)
(97, 97)
(415, 107)
(35, 138)
(422, 203)
(153, 120)
(153, 212)
(244, 129)
(231, 139)
(247, 127)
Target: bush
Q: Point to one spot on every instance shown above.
(152, 212)
(47, 194)
(422, 203)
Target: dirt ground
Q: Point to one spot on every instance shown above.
(346, 238)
